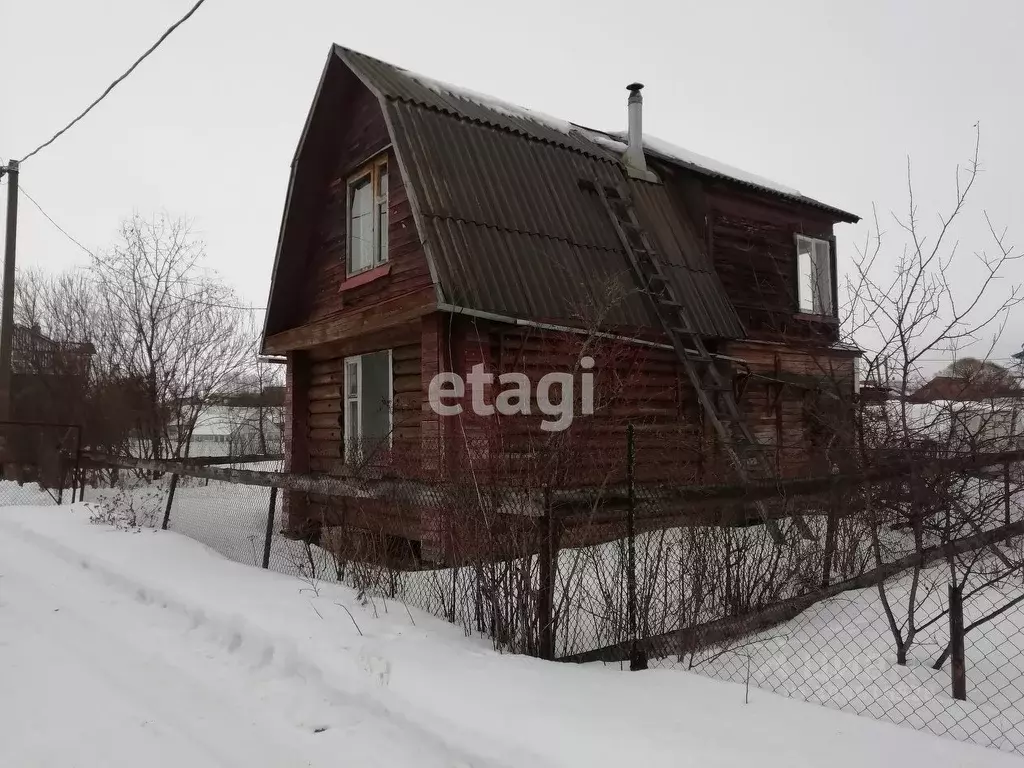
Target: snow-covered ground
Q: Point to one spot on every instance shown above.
(122, 648)
(841, 653)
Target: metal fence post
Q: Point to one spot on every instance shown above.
(270, 528)
(60, 478)
(170, 500)
(637, 658)
(77, 478)
(546, 588)
(958, 665)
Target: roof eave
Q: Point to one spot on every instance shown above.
(291, 189)
(838, 213)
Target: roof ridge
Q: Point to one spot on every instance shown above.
(485, 109)
(593, 150)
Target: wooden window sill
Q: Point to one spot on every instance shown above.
(366, 276)
(809, 318)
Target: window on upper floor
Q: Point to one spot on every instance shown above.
(816, 281)
(368, 217)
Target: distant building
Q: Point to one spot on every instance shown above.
(239, 425)
(34, 353)
(874, 392)
(49, 381)
(955, 389)
(48, 378)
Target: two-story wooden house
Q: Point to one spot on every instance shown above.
(428, 230)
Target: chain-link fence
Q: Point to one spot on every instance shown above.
(39, 462)
(898, 595)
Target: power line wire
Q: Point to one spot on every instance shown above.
(64, 232)
(213, 304)
(111, 87)
(32, 200)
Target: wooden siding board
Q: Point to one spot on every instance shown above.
(322, 311)
(755, 257)
(324, 420)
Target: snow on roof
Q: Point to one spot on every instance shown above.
(678, 154)
(491, 102)
(613, 141)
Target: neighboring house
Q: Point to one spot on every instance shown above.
(946, 427)
(964, 415)
(872, 391)
(48, 378)
(239, 425)
(993, 424)
(956, 389)
(427, 229)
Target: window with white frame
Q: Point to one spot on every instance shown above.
(368, 217)
(816, 283)
(368, 399)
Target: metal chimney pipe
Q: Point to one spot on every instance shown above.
(634, 155)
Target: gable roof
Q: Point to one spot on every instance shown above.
(507, 230)
(397, 84)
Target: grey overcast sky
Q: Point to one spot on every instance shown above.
(829, 97)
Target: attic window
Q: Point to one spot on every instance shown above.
(816, 286)
(368, 217)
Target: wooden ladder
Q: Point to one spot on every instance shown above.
(714, 390)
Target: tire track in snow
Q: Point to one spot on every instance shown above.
(210, 728)
(232, 636)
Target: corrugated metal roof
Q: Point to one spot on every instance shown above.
(395, 83)
(507, 226)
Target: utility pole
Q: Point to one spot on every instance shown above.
(7, 310)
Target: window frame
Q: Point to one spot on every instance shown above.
(830, 243)
(373, 169)
(347, 442)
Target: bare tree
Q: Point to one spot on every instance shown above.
(919, 309)
(903, 318)
(170, 326)
(260, 424)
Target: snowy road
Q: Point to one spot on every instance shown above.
(124, 649)
(126, 676)
(117, 697)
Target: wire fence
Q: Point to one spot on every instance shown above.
(38, 460)
(898, 595)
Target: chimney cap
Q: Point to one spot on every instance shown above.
(634, 87)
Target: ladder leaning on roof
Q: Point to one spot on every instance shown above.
(714, 390)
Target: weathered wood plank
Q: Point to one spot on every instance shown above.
(325, 392)
(326, 406)
(335, 377)
(326, 434)
(324, 420)
(378, 317)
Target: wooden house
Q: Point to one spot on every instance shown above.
(429, 229)
(48, 386)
